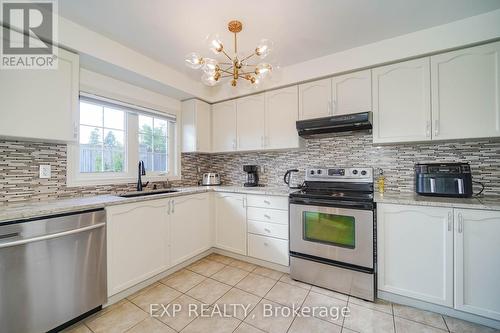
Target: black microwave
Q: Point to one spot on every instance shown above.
(443, 179)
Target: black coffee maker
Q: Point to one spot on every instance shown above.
(252, 178)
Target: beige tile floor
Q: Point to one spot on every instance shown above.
(219, 280)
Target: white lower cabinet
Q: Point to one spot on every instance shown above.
(477, 263)
(268, 248)
(137, 243)
(230, 222)
(268, 228)
(415, 252)
(441, 255)
(190, 226)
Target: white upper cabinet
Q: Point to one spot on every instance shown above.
(196, 126)
(190, 226)
(352, 93)
(224, 126)
(415, 252)
(281, 115)
(250, 119)
(402, 102)
(230, 222)
(477, 264)
(315, 99)
(466, 93)
(41, 104)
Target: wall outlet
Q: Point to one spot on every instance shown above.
(45, 171)
(198, 169)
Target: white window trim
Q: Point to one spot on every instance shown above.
(74, 178)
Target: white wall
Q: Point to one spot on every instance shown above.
(98, 84)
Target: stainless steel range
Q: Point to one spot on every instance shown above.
(332, 230)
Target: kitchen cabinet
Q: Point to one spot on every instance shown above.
(137, 243)
(315, 99)
(415, 252)
(352, 93)
(250, 120)
(267, 221)
(196, 127)
(224, 126)
(477, 268)
(230, 222)
(281, 115)
(466, 93)
(190, 225)
(47, 98)
(402, 102)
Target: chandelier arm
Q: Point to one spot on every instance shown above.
(249, 65)
(248, 57)
(245, 73)
(226, 70)
(224, 52)
(227, 75)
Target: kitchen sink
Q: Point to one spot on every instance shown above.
(142, 194)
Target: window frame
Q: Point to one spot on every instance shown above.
(131, 150)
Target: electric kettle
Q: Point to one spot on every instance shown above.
(290, 181)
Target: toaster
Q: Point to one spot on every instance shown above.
(443, 179)
(210, 178)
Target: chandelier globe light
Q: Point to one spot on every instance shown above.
(237, 65)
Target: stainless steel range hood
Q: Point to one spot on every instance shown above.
(323, 127)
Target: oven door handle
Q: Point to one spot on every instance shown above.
(333, 203)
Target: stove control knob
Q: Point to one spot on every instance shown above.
(311, 172)
(354, 172)
(363, 173)
(318, 172)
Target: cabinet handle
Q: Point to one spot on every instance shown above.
(329, 107)
(334, 107)
(238, 142)
(449, 221)
(243, 201)
(436, 127)
(266, 244)
(75, 130)
(267, 230)
(267, 216)
(428, 129)
(168, 207)
(460, 223)
(173, 206)
(267, 202)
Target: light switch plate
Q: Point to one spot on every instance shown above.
(45, 171)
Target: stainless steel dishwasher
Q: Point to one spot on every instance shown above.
(52, 270)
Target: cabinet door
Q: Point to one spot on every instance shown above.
(281, 115)
(315, 99)
(352, 93)
(203, 127)
(250, 118)
(466, 93)
(415, 252)
(401, 102)
(477, 263)
(230, 222)
(41, 104)
(224, 126)
(137, 243)
(190, 227)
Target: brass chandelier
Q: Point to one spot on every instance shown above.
(237, 66)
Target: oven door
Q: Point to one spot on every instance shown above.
(339, 234)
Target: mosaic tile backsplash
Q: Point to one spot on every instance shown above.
(19, 163)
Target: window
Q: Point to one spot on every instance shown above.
(102, 138)
(153, 143)
(115, 136)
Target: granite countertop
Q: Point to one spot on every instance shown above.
(484, 202)
(27, 210)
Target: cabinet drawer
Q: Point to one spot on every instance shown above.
(265, 201)
(267, 215)
(268, 229)
(269, 249)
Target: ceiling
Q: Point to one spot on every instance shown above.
(166, 30)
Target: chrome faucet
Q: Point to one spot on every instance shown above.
(141, 172)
